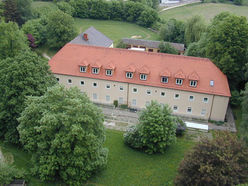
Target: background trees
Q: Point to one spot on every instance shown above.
(172, 31)
(167, 48)
(23, 75)
(244, 122)
(64, 131)
(60, 29)
(221, 161)
(12, 40)
(155, 132)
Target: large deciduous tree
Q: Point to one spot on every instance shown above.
(172, 31)
(155, 132)
(24, 75)
(12, 40)
(64, 131)
(228, 44)
(10, 11)
(221, 161)
(60, 29)
(194, 28)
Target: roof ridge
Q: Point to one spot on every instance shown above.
(147, 53)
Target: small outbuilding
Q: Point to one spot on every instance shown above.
(93, 37)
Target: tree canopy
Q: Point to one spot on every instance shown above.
(244, 122)
(155, 132)
(227, 46)
(64, 131)
(13, 40)
(23, 75)
(221, 161)
(194, 28)
(167, 48)
(60, 29)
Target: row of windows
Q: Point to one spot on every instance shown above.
(135, 90)
(129, 75)
(134, 103)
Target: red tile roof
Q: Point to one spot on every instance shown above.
(68, 59)
(180, 74)
(194, 76)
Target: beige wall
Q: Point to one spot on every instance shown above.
(199, 108)
(139, 46)
(219, 108)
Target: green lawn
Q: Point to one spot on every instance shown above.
(206, 10)
(125, 166)
(115, 30)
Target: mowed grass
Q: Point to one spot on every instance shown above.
(115, 30)
(206, 10)
(36, 4)
(125, 165)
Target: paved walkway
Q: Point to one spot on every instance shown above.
(175, 5)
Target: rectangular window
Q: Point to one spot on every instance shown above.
(94, 96)
(121, 100)
(121, 88)
(205, 100)
(57, 79)
(94, 84)
(162, 93)
(203, 112)
(191, 98)
(134, 102)
(189, 110)
(193, 83)
(69, 81)
(82, 83)
(107, 98)
(164, 79)
(175, 108)
(143, 76)
(108, 86)
(179, 81)
(176, 96)
(108, 72)
(148, 92)
(135, 90)
(95, 70)
(83, 68)
(129, 75)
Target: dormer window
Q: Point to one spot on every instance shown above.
(129, 75)
(179, 81)
(109, 72)
(95, 70)
(143, 76)
(83, 68)
(164, 79)
(193, 83)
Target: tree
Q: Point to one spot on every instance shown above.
(172, 31)
(23, 75)
(64, 131)
(244, 121)
(65, 7)
(13, 41)
(11, 11)
(24, 10)
(120, 44)
(198, 49)
(37, 29)
(8, 173)
(156, 130)
(148, 17)
(227, 46)
(60, 29)
(194, 28)
(167, 48)
(221, 161)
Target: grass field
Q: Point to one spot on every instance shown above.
(115, 30)
(125, 166)
(206, 10)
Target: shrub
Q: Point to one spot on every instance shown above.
(181, 126)
(65, 7)
(115, 103)
(221, 161)
(235, 99)
(8, 173)
(156, 129)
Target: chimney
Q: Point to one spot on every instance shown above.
(85, 37)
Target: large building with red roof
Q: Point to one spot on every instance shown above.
(193, 87)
